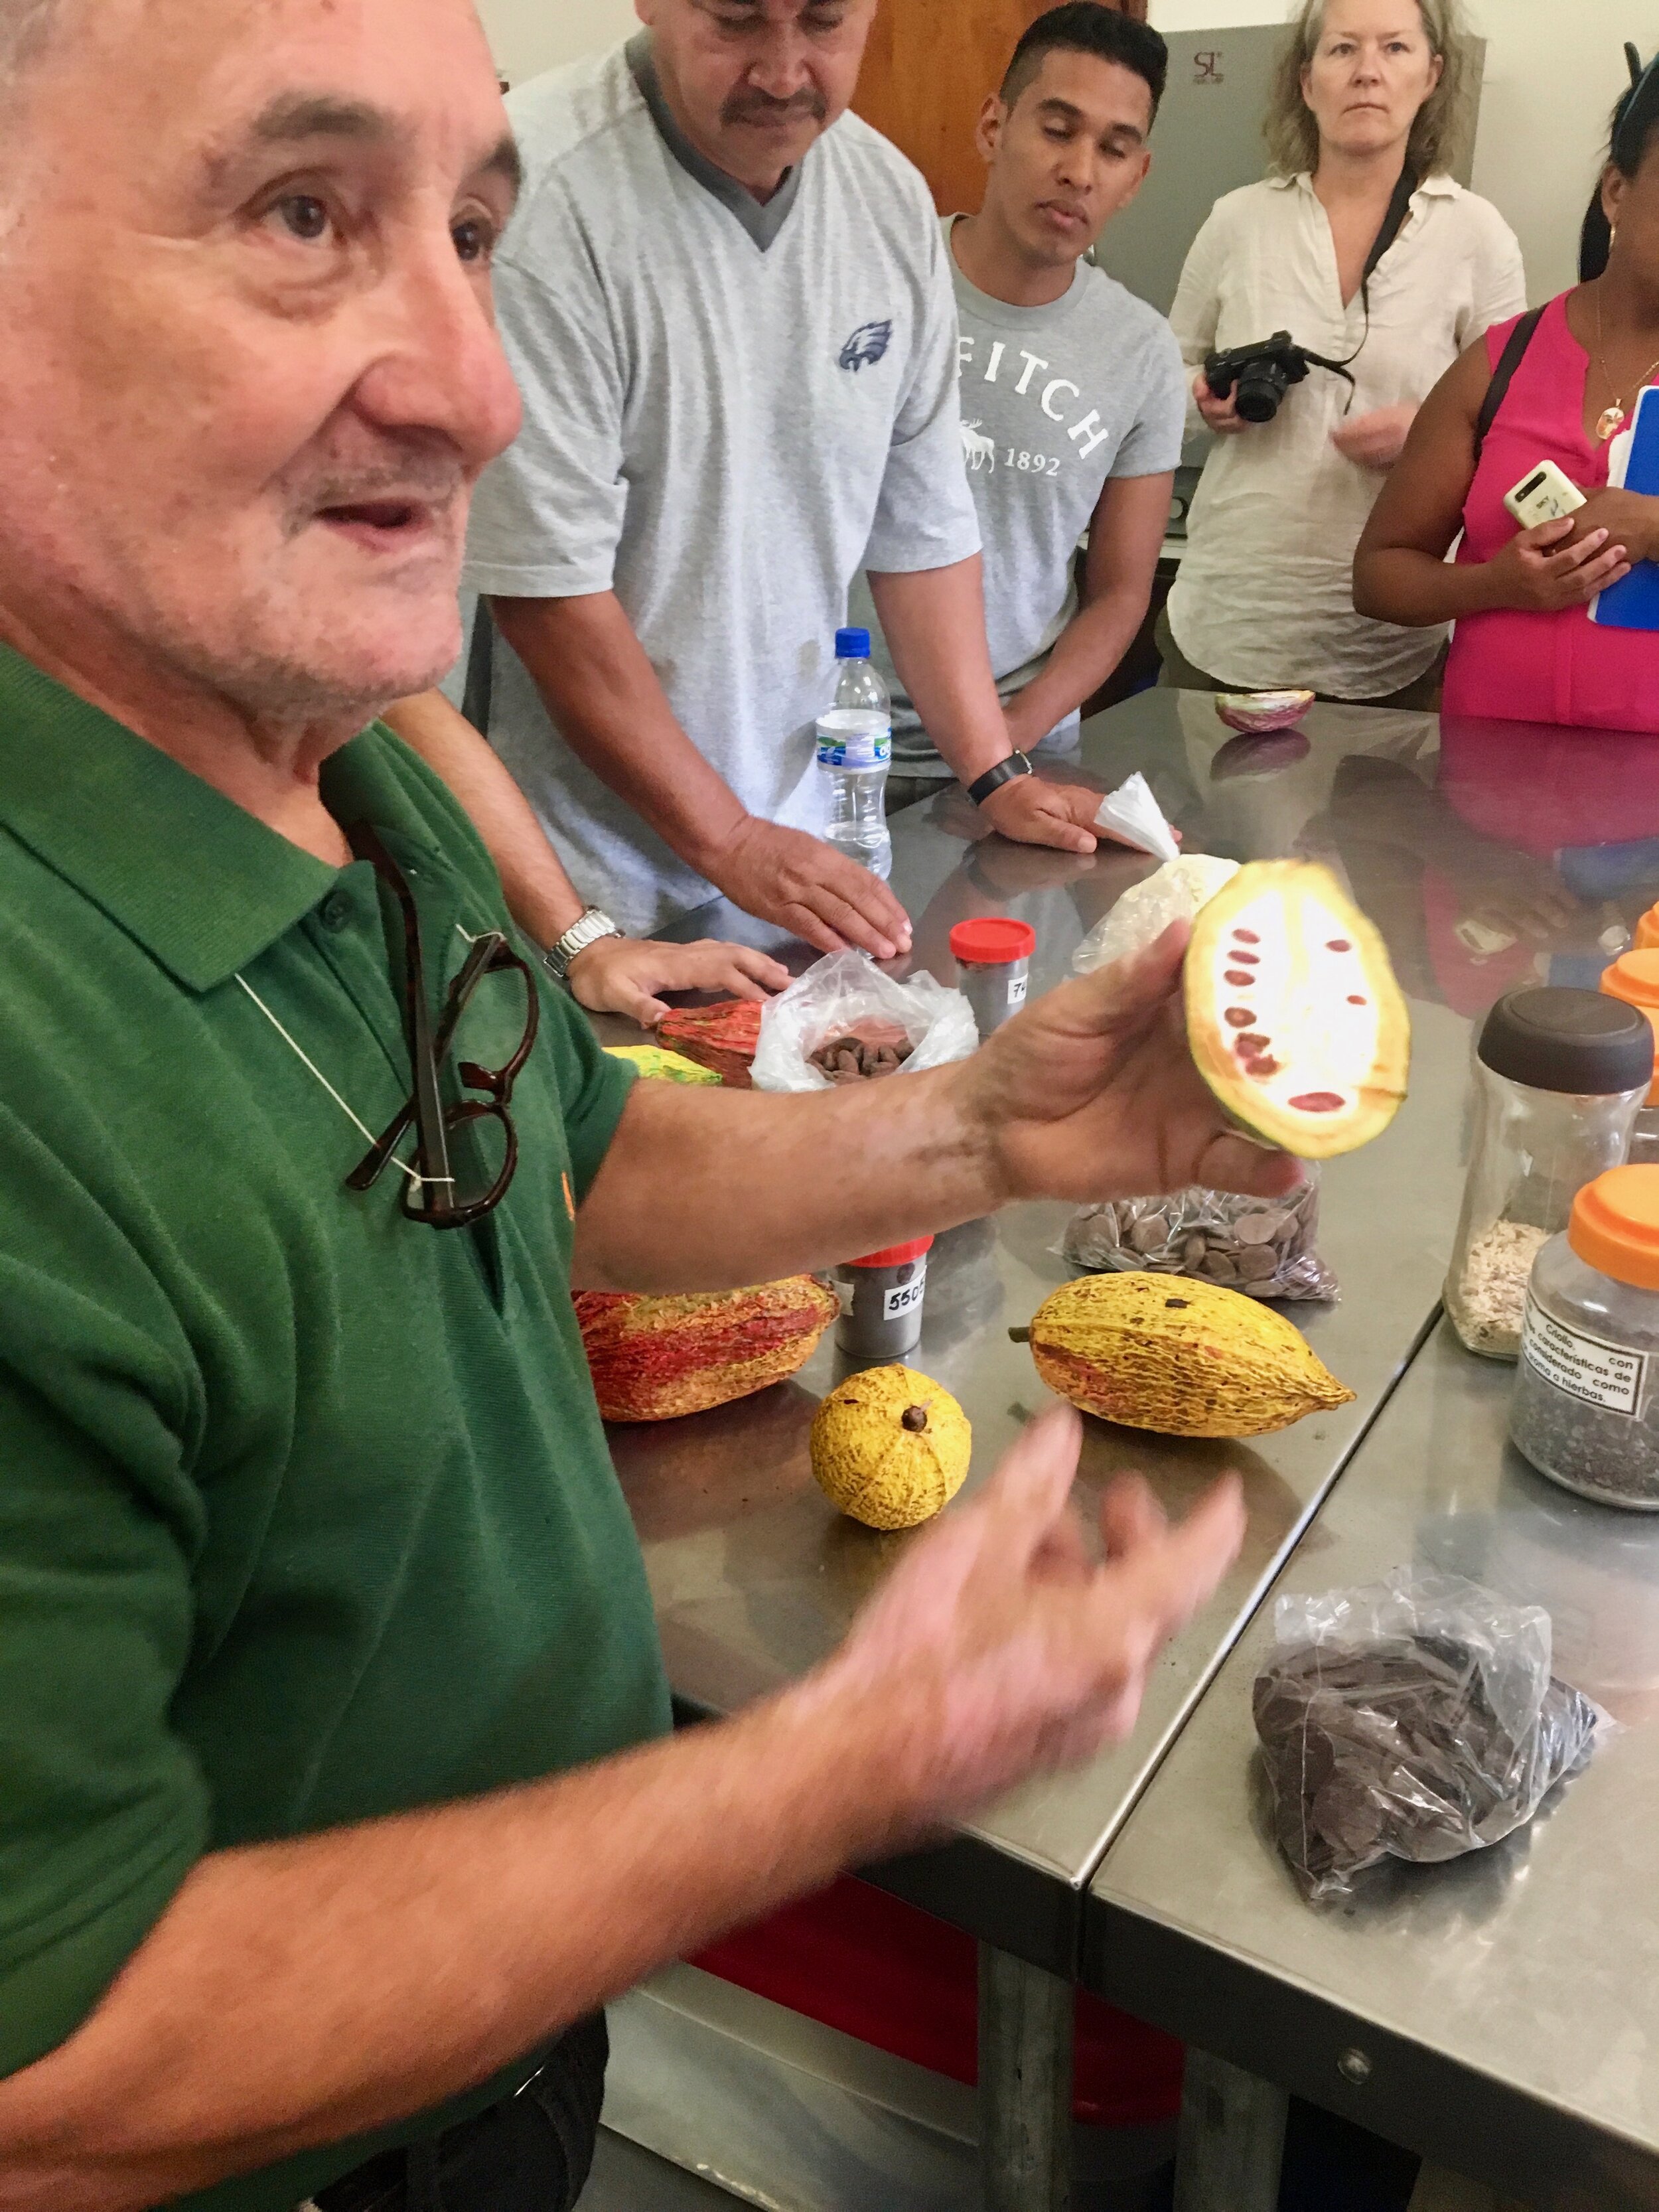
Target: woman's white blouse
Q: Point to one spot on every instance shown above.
(1265, 596)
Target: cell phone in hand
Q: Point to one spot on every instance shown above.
(1544, 495)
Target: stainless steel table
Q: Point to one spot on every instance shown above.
(756, 1577)
(1499, 2015)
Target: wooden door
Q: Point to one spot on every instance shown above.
(926, 70)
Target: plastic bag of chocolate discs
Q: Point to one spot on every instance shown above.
(1417, 1718)
(1266, 1249)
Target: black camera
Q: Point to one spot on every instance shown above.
(1263, 372)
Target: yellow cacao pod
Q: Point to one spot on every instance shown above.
(890, 1448)
(1185, 1358)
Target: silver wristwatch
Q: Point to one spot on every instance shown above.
(587, 929)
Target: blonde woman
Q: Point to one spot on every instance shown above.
(1368, 103)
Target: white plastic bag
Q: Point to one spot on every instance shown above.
(1135, 817)
(1145, 910)
(847, 987)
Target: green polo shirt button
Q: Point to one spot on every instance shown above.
(337, 911)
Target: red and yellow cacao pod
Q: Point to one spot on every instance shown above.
(653, 1359)
(722, 1037)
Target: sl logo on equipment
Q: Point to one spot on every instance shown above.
(866, 345)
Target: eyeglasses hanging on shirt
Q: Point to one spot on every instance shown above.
(466, 1152)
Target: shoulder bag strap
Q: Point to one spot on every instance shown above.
(1507, 362)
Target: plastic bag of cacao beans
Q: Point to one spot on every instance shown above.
(886, 1027)
(1265, 1248)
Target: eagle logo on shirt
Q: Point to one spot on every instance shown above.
(866, 345)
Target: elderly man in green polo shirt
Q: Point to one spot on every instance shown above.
(334, 1791)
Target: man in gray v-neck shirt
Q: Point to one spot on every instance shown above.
(728, 307)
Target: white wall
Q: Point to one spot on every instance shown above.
(528, 36)
(1553, 69)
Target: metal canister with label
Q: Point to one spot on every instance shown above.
(994, 960)
(882, 1299)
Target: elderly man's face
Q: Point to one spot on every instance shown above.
(250, 373)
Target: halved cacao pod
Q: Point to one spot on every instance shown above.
(1293, 1015)
(1182, 1358)
(722, 1037)
(653, 1359)
(1255, 711)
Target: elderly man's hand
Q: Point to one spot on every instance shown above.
(1093, 1093)
(998, 1648)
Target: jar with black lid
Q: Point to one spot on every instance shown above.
(1559, 1077)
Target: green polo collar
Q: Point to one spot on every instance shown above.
(188, 873)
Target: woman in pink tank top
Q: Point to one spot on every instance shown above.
(1524, 649)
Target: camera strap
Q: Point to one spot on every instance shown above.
(1393, 223)
(1399, 206)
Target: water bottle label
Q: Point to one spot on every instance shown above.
(856, 751)
(854, 737)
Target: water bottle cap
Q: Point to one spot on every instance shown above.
(852, 645)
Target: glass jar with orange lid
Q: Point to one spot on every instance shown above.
(1585, 1409)
(1634, 977)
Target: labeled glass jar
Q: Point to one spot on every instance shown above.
(993, 961)
(1558, 1076)
(1634, 977)
(1585, 1410)
(882, 1298)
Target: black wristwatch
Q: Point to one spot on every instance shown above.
(993, 778)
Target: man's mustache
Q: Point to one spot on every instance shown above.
(748, 106)
(422, 480)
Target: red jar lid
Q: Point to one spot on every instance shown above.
(991, 939)
(895, 1255)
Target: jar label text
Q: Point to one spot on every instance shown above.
(1582, 1366)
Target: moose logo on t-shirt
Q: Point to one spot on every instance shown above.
(866, 345)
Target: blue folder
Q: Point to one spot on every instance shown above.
(1633, 602)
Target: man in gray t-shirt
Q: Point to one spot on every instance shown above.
(1073, 392)
(728, 305)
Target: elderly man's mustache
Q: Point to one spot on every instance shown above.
(417, 483)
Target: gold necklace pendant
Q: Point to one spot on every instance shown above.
(1610, 421)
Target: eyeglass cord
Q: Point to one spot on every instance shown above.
(301, 1054)
(304, 1057)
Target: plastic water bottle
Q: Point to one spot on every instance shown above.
(855, 749)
